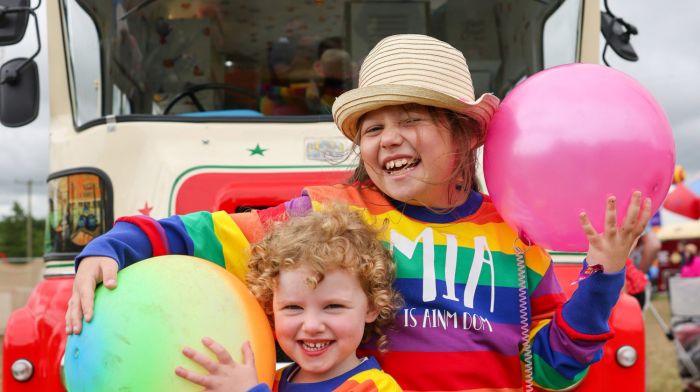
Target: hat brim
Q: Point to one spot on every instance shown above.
(351, 105)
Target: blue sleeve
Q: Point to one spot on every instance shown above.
(127, 243)
(590, 306)
(260, 388)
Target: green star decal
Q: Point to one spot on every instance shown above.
(257, 150)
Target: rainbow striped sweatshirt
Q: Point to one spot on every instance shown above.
(460, 327)
(365, 377)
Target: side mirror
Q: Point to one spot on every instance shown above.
(14, 15)
(19, 78)
(617, 34)
(19, 92)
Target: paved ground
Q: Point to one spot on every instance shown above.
(16, 282)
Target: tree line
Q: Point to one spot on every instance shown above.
(13, 234)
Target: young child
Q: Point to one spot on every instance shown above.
(326, 284)
(417, 124)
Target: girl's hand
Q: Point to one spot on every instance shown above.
(91, 272)
(224, 374)
(612, 247)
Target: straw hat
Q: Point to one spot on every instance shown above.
(412, 68)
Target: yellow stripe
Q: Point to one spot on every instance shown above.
(539, 326)
(233, 242)
(462, 230)
(381, 380)
(537, 259)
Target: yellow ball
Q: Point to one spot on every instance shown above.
(678, 174)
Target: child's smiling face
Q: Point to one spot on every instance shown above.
(320, 328)
(408, 155)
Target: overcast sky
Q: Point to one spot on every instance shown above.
(669, 66)
(24, 152)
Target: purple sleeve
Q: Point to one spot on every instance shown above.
(299, 206)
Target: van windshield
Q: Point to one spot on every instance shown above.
(238, 59)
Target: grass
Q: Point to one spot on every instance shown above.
(662, 365)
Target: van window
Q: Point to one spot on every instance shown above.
(274, 59)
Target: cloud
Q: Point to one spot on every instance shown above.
(24, 151)
(24, 157)
(668, 65)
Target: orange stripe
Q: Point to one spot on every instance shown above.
(250, 225)
(354, 386)
(377, 204)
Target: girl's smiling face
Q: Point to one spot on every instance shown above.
(409, 156)
(320, 327)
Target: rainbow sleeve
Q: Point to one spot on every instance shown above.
(210, 236)
(567, 337)
(216, 236)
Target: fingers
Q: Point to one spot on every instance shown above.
(87, 303)
(92, 270)
(193, 377)
(630, 221)
(221, 354)
(109, 273)
(248, 356)
(201, 359)
(611, 216)
(646, 215)
(83, 290)
(74, 315)
(635, 222)
(587, 226)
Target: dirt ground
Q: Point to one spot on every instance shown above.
(16, 282)
(662, 366)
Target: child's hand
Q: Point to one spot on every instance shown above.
(91, 272)
(224, 374)
(612, 247)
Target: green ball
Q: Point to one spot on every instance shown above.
(161, 305)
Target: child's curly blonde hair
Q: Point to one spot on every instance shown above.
(333, 238)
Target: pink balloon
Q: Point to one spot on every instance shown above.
(567, 138)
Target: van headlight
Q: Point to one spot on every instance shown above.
(626, 356)
(22, 370)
